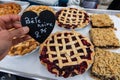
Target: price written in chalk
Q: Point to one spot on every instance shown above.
(40, 25)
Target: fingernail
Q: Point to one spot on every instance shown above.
(26, 29)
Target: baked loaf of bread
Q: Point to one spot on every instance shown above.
(9, 8)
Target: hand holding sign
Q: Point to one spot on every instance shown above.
(40, 25)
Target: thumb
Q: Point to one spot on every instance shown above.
(18, 32)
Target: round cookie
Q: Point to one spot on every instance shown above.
(67, 53)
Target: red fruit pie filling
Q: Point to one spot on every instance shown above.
(67, 53)
(71, 18)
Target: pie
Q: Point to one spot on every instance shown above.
(101, 21)
(66, 53)
(10, 8)
(104, 38)
(23, 47)
(38, 9)
(106, 65)
(71, 18)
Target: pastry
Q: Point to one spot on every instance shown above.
(104, 38)
(118, 15)
(71, 18)
(101, 21)
(106, 65)
(10, 8)
(23, 47)
(38, 9)
(67, 53)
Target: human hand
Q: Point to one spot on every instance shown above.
(11, 33)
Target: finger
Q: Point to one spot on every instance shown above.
(19, 40)
(10, 18)
(15, 25)
(18, 32)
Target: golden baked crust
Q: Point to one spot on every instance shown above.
(106, 65)
(38, 9)
(101, 21)
(23, 47)
(9, 8)
(72, 18)
(118, 15)
(67, 53)
(104, 38)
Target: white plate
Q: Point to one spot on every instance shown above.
(30, 66)
(23, 4)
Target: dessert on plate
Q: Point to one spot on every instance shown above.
(10, 8)
(106, 65)
(71, 18)
(118, 15)
(66, 53)
(101, 21)
(40, 8)
(104, 38)
(23, 48)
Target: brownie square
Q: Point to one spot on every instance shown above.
(101, 21)
(106, 65)
(104, 38)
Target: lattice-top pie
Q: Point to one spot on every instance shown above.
(23, 47)
(10, 8)
(71, 18)
(38, 9)
(66, 53)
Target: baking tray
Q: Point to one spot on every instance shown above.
(23, 4)
(30, 66)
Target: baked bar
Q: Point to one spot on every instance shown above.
(104, 38)
(10, 8)
(71, 18)
(106, 65)
(67, 53)
(23, 47)
(101, 21)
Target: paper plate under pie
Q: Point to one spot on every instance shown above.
(67, 53)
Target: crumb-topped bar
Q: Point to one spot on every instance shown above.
(106, 65)
(101, 21)
(104, 38)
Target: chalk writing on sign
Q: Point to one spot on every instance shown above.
(32, 20)
(41, 31)
(37, 21)
(41, 26)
